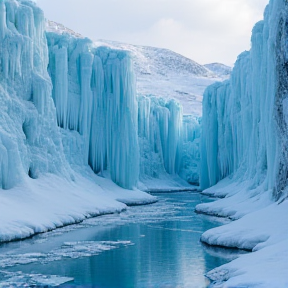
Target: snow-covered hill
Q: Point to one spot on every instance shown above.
(219, 69)
(164, 73)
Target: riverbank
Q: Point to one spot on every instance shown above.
(127, 249)
(260, 226)
(51, 202)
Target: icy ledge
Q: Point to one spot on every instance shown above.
(61, 204)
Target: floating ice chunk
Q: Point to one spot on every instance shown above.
(19, 279)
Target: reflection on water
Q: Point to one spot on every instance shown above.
(146, 246)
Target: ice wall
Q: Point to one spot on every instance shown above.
(244, 128)
(51, 80)
(94, 94)
(30, 142)
(169, 142)
(99, 81)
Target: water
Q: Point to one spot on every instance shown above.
(146, 246)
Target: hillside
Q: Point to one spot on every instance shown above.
(163, 73)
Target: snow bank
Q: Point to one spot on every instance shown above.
(51, 202)
(265, 232)
(244, 142)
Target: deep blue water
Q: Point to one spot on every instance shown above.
(146, 246)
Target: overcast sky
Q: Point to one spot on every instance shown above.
(203, 30)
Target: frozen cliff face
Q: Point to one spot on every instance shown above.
(93, 91)
(94, 94)
(163, 136)
(246, 116)
(30, 142)
(169, 141)
(282, 100)
(67, 102)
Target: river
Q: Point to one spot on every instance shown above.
(146, 246)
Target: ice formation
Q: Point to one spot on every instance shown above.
(244, 152)
(245, 116)
(51, 80)
(94, 94)
(169, 142)
(30, 139)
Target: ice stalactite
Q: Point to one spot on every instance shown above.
(2, 20)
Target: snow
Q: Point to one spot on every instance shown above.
(219, 69)
(262, 232)
(51, 202)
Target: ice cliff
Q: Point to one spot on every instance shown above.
(30, 142)
(246, 116)
(94, 94)
(65, 105)
(244, 152)
(67, 102)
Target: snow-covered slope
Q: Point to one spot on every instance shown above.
(219, 69)
(166, 74)
(244, 138)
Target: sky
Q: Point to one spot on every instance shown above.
(203, 30)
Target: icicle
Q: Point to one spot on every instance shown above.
(2, 20)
